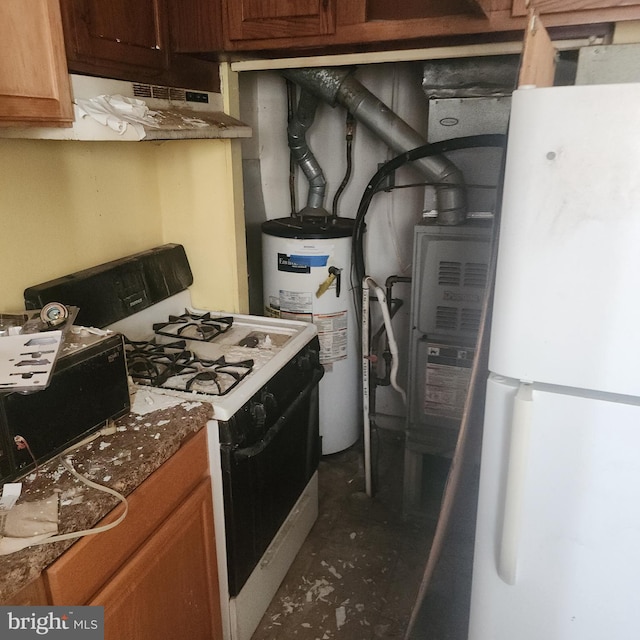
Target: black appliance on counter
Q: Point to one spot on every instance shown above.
(88, 386)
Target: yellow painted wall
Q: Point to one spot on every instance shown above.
(200, 211)
(627, 32)
(65, 206)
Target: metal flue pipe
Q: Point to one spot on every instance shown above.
(338, 86)
(296, 133)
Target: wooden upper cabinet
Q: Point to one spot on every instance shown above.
(144, 40)
(195, 25)
(116, 31)
(34, 85)
(257, 19)
(320, 26)
(417, 9)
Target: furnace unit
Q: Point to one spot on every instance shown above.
(450, 274)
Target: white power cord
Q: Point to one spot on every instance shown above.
(109, 430)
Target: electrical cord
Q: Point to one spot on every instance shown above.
(109, 430)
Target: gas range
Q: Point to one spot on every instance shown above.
(205, 355)
(260, 375)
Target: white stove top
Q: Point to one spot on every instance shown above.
(268, 342)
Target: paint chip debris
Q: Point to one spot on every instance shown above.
(319, 590)
(332, 570)
(341, 616)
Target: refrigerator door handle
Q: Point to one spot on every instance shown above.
(515, 481)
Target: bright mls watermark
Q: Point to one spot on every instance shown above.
(27, 623)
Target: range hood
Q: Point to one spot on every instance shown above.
(107, 109)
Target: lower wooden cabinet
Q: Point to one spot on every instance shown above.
(169, 588)
(155, 574)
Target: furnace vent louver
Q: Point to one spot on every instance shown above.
(453, 273)
(470, 319)
(475, 275)
(451, 319)
(449, 274)
(446, 318)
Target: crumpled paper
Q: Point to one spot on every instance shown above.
(28, 523)
(118, 112)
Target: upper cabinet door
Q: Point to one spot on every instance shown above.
(256, 19)
(116, 31)
(34, 85)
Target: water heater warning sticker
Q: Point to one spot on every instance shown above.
(332, 334)
(296, 305)
(296, 301)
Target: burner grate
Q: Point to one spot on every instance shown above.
(212, 377)
(173, 366)
(153, 364)
(194, 326)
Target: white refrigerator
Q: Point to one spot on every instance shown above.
(557, 548)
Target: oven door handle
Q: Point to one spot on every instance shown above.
(278, 425)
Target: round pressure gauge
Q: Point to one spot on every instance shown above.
(54, 314)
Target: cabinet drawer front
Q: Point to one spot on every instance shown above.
(85, 567)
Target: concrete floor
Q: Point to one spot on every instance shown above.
(358, 573)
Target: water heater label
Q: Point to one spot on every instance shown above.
(289, 264)
(310, 260)
(332, 334)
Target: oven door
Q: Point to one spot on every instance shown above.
(263, 481)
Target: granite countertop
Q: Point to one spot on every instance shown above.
(144, 439)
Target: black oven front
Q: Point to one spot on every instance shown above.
(269, 451)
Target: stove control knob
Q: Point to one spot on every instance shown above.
(269, 401)
(304, 362)
(258, 414)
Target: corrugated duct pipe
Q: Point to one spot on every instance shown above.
(338, 86)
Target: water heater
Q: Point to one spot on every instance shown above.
(306, 276)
